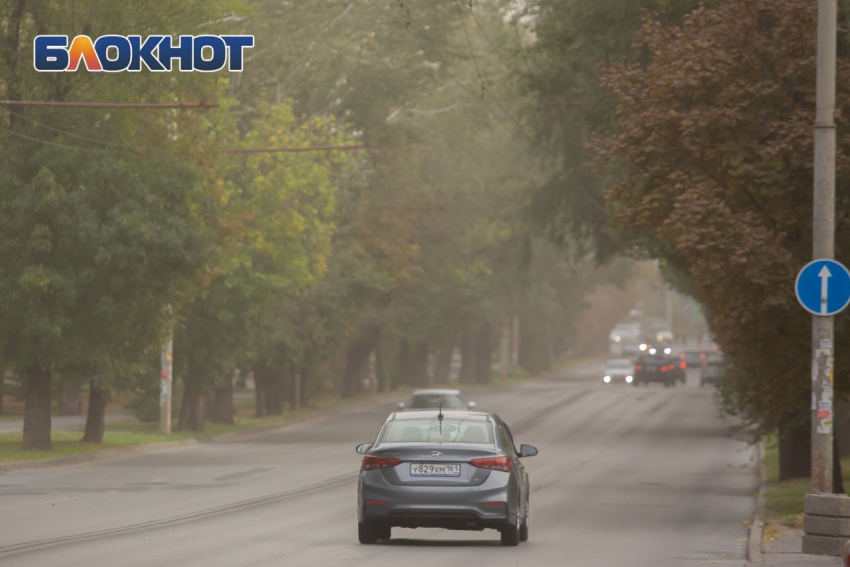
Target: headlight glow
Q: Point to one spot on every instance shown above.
(652, 351)
(668, 350)
(643, 347)
(629, 379)
(616, 339)
(607, 379)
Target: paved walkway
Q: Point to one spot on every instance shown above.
(67, 422)
(781, 547)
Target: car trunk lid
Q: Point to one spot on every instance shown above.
(418, 458)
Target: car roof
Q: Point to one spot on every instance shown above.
(436, 391)
(432, 414)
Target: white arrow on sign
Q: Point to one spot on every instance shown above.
(824, 276)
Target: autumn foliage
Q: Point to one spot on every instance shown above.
(715, 146)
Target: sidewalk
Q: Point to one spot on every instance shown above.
(781, 547)
(67, 422)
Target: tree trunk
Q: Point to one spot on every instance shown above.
(271, 387)
(2, 384)
(420, 365)
(467, 362)
(483, 353)
(443, 370)
(795, 448)
(259, 394)
(37, 408)
(222, 411)
(95, 418)
(305, 385)
(356, 358)
(191, 407)
(380, 373)
(295, 390)
(400, 375)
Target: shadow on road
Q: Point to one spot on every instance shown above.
(404, 542)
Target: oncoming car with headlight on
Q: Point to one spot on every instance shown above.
(457, 470)
(619, 370)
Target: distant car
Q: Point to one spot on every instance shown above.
(619, 370)
(447, 399)
(456, 470)
(692, 355)
(679, 368)
(712, 372)
(654, 366)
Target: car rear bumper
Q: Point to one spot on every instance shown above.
(455, 507)
(655, 377)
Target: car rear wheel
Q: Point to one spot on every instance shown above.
(367, 533)
(510, 534)
(523, 528)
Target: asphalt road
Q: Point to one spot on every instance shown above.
(638, 476)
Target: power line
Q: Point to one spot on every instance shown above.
(518, 38)
(471, 51)
(484, 33)
(202, 105)
(51, 143)
(65, 132)
(442, 66)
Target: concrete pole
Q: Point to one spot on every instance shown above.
(823, 246)
(166, 381)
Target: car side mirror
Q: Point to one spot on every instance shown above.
(527, 451)
(363, 448)
(471, 405)
(401, 405)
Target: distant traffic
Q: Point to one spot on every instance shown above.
(645, 350)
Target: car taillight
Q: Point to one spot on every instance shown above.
(681, 357)
(684, 365)
(663, 369)
(493, 463)
(638, 367)
(372, 462)
(702, 357)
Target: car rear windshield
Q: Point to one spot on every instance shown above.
(446, 401)
(432, 431)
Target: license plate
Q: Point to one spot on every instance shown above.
(651, 368)
(431, 469)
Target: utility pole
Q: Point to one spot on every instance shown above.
(823, 245)
(166, 380)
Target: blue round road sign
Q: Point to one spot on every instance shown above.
(823, 287)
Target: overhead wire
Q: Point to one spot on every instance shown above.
(443, 67)
(65, 132)
(484, 88)
(484, 33)
(471, 50)
(48, 142)
(518, 38)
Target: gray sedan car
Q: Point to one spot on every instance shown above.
(457, 470)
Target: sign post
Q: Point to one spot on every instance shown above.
(823, 233)
(823, 289)
(166, 380)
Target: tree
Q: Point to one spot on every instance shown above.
(275, 219)
(98, 231)
(715, 163)
(573, 39)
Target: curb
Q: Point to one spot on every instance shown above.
(757, 527)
